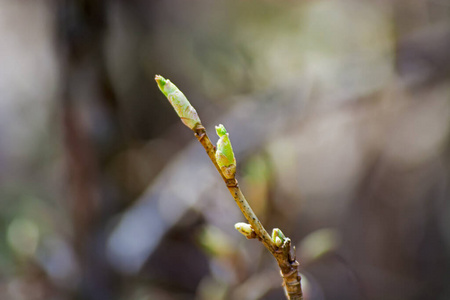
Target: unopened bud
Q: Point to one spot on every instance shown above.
(278, 237)
(180, 103)
(224, 153)
(278, 241)
(245, 229)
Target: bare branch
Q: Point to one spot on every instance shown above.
(278, 245)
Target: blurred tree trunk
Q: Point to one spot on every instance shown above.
(92, 136)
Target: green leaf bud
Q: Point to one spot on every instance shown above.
(180, 103)
(278, 241)
(224, 153)
(221, 131)
(244, 228)
(278, 237)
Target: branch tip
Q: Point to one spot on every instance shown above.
(180, 103)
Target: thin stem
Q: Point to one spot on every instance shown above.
(235, 191)
(252, 219)
(203, 138)
(284, 255)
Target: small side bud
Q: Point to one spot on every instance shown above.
(224, 153)
(245, 229)
(278, 237)
(278, 241)
(180, 103)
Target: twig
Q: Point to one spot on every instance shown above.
(235, 191)
(280, 248)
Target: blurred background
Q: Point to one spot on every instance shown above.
(338, 112)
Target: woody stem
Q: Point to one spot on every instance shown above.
(284, 255)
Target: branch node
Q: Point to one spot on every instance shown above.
(294, 283)
(232, 183)
(200, 132)
(293, 271)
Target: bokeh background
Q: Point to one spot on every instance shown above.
(338, 112)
